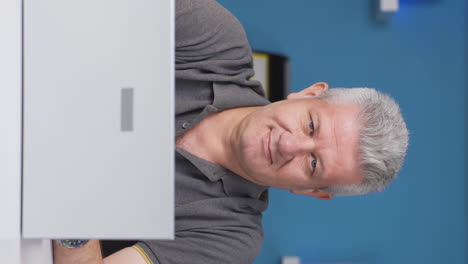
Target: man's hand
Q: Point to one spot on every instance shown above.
(91, 254)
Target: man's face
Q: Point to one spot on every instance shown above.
(301, 144)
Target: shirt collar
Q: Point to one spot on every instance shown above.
(233, 184)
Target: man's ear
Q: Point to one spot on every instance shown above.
(314, 193)
(311, 91)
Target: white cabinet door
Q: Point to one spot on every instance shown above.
(98, 119)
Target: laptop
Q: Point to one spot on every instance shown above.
(98, 119)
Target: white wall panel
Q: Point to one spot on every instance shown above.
(10, 131)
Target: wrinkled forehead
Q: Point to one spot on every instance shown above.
(345, 127)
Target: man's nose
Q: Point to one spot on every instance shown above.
(291, 145)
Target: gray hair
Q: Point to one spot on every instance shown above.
(383, 138)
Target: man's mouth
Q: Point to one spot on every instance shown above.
(267, 148)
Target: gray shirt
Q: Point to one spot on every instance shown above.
(218, 213)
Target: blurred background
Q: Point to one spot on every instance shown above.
(419, 57)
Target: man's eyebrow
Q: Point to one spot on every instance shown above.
(321, 164)
(318, 119)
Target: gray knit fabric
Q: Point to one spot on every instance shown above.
(218, 213)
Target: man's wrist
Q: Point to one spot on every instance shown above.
(90, 253)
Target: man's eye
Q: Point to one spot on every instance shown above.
(311, 126)
(314, 163)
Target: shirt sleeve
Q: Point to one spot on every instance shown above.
(211, 45)
(203, 246)
(211, 232)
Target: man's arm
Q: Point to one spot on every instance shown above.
(126, 256)
(91, 254)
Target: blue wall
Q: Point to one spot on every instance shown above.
(419, 57)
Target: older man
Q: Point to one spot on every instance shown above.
(231, 145)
